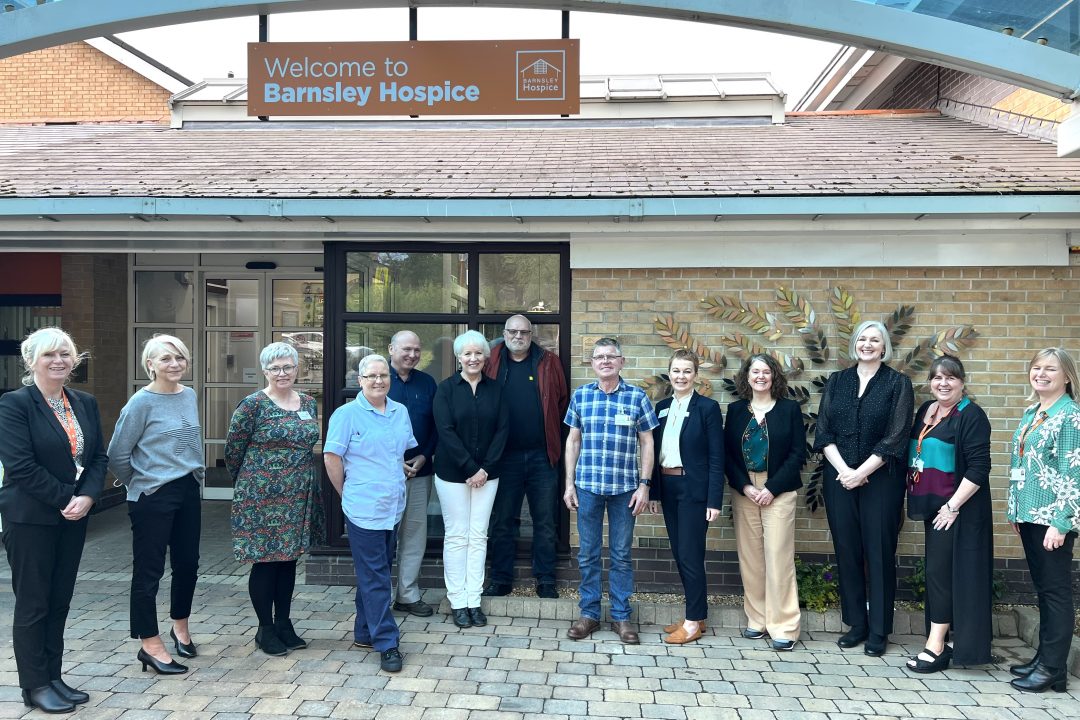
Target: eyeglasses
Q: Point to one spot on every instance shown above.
(281, 370)
(606, 358)
(376, 378)
(519, 332)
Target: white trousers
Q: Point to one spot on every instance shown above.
(466, 512)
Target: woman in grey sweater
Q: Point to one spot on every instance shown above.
(157, 452)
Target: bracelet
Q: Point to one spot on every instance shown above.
(950, 508)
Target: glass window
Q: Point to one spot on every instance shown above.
(232, 356)
(144, 334)
(220, 404)
(231, 303)
(519, 283)
(217, 475)
(164, 297)
(406, 282)
(546, 336)
(309, 350)
(436, 342)
(298, 303)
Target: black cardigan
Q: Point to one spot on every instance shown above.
(787, 446)
(39, 472)
(473, 428)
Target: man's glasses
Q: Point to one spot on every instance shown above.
(606, 358)
(281, 369)
(519, 332)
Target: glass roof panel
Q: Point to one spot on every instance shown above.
(1048, 22)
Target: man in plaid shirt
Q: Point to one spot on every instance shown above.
(609, 459)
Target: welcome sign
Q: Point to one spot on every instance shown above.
(445, 77)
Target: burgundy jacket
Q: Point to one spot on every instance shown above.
(551, 384)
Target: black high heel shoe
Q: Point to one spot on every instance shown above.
(73, 696)
(161, 668)
(183, 650)
(46, 699)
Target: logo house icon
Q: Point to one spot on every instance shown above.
(540, 75)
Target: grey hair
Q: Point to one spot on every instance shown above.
(158, 345)
(471, 337)
(367, 360)
(863, 327)
(43, 341)
(276, 350)
(608, 342)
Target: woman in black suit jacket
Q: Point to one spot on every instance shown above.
(766, 448)
(54, 469)
(688, 481)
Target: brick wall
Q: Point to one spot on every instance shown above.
(1016, 311)
(94, 312)
(76, 83)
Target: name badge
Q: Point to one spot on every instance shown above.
(663, 413)
(919, 464)
(623, 420)
(78, 472)
(1017, 475)
(304, 415)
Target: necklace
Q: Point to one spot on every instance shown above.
(763, 408)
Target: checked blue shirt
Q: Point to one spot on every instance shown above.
(609, 425)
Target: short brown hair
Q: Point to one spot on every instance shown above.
(684, 354)
(779, 380)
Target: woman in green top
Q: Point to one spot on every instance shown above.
(1044, 509)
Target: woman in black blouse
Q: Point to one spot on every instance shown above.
(765, 440)
(473, 424)
(948, 466)
(863, 423)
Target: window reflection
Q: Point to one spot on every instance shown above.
(232, 302)
(164, 297)
(518, 283)
(436, 342)
(406, 282)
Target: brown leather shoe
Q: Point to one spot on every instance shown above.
(681, 637)
(626, 632)
(582, 628)
(675, 626)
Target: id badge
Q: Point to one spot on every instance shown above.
(304, 415)
(919, 465)
(623, 420)
(1017, 475)
(663, 413)
(78, 472)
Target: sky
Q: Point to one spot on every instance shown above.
(610, 44)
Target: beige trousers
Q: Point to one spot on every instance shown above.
(765, 539)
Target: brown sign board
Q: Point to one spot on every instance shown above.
(443, 77)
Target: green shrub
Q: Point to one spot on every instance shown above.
(819, 588)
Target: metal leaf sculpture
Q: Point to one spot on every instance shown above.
(744, 347)
(846, 314)
(723, 307)
(802, 316)
(658, 387)
(814, 499)
(899, 323)
(950, 341)
(677, 337)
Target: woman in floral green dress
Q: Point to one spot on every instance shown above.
(269, 453)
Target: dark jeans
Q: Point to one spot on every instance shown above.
(44, 561)
(1051, 574)
(684, 518)
(170, 519)
(524, 473)
(372, 553)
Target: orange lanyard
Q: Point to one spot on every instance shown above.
(926, 431)
(67, 421)
(1039, 419)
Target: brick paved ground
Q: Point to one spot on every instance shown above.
(517, 668)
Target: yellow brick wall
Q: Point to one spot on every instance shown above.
(76, 83)
(1016, 311)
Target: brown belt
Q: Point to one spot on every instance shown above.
(672, 471)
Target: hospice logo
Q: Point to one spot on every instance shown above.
(541, 75)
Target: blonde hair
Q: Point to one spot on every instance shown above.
(43, 341)
(1068, 366)
(159, 345)
(863, 327)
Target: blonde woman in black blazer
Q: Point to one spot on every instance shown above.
(54, 469)
(766, 448)
(688, 481)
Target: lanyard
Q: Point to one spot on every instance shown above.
(916, 475)
(1038, 420)
(67, 421)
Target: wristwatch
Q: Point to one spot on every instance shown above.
(645, 481)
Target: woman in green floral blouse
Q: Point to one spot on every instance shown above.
(1044, 509)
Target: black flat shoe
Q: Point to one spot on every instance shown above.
(73, 696)
(495, 589)
(854, 636)
(1024, 669)
(461, 617)
(875, 646)
(47, 699)
(939, 662)
(267, 640)
(288, 636)
(1041, 679)
(477, 616)
(161, 668)
(184, 650)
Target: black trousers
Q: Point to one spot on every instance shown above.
(865, 525)
(170, 519)
(1051, 574)
(684, 518)
(939, 572)
(44, 561)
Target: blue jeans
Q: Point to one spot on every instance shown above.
(590, 521)
(372, 552)
(524, 473)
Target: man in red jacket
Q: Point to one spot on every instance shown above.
(534, 385)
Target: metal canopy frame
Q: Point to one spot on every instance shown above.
(919, 37)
